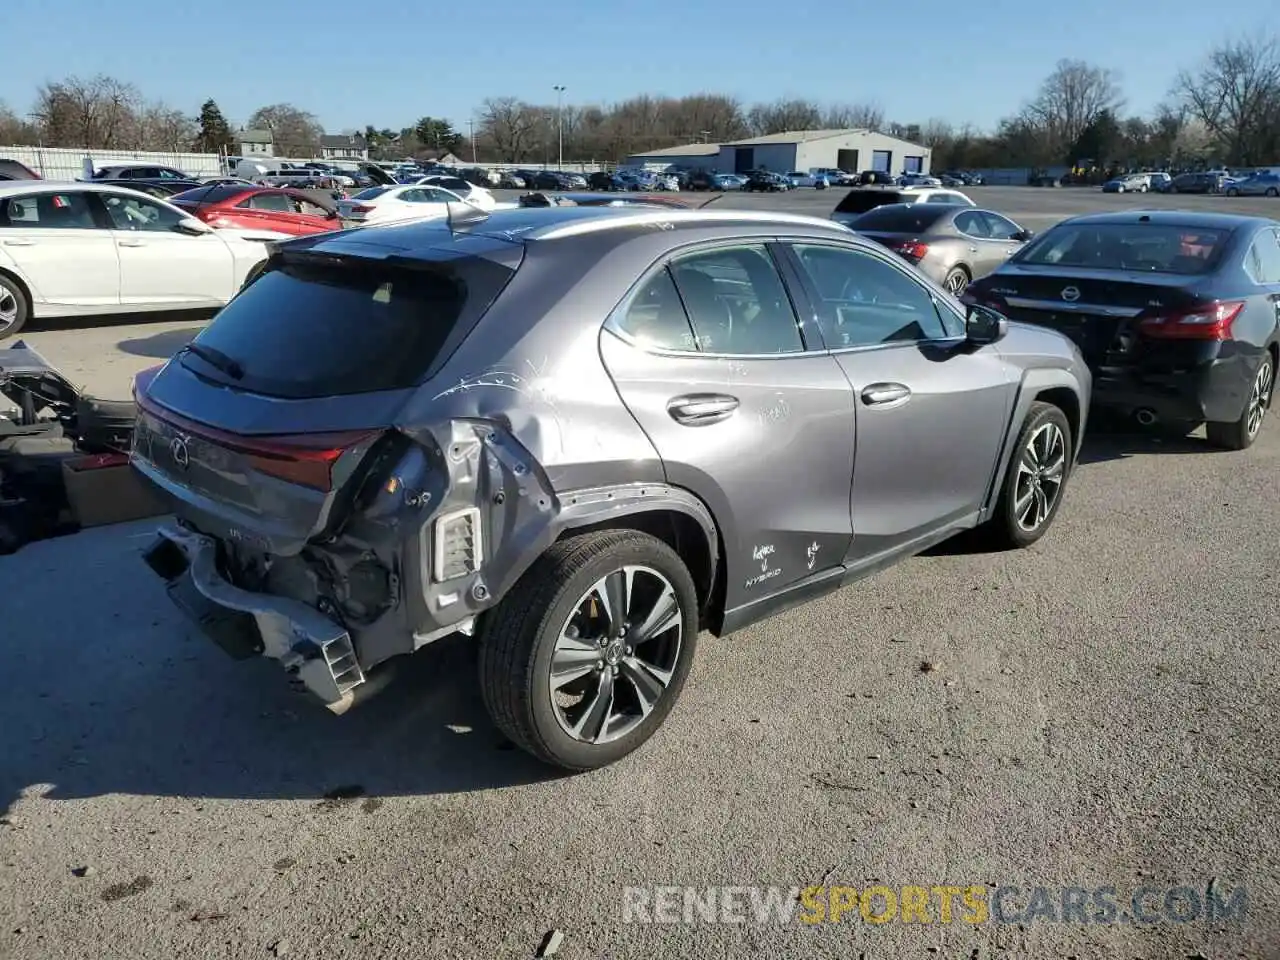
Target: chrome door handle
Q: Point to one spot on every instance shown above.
(879, 394)
(130, 243)
(973, 249)
(19, 243)
(701, 409)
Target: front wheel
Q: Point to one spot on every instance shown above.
(582, 661)
(15, 309)
(956, 280)
(1035, 479)
(1233, 192)
(1240, 434)
(1271, 191)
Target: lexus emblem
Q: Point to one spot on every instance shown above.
(178, 450)
(1071, 294)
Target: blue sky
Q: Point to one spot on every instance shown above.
(917, 60)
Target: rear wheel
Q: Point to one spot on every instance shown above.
(1035, 479)
(1233, 192)
(956, 280)
(15, 309)
(1240, 434)
(1271, 191)
(585, 657)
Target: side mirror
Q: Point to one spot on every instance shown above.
(192, 227)
(1022, 236)
(982, 325)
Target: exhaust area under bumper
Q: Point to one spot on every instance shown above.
(309, 645)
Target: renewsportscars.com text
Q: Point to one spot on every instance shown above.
(936, 904)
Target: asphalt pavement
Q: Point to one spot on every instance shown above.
(1096, 711)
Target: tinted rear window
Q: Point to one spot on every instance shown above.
(860, 201)
(308, 329)
(1142, 247)
(213, 194)
(902, 218)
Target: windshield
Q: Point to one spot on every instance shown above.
(1149, 247)
(310, 329)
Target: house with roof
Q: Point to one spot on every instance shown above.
(344, 146)
(255, 143)
(852, 150)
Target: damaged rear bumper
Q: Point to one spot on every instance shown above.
(309, 645)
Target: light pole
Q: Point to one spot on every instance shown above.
(471, 134)
(559, 89)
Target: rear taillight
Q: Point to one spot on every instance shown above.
(1211, 321)
(360, 208)
(306, 459)
(912, 250)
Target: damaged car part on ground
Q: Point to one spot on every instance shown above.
(46, 422)
(564, 461)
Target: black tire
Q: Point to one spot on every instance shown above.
(1233, 192)
(14, 305)
(520, 635)
(1004, 526)
(1239, 434)
(956, 280)
(1271, 192)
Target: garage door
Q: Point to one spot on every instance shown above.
(912, 164)
(881, 159)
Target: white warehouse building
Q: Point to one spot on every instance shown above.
(849, 150)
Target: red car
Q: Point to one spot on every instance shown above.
(247, 207)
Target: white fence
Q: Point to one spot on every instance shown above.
(59, 163)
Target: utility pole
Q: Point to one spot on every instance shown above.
(471, 135)
(559, 89)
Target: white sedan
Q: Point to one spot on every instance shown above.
(478, 196)
(78, 249)
(405, 202)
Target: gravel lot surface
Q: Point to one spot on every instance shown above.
(1100, 710)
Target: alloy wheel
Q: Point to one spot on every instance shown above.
(1259, 398)
(8, 309)
(956, 282)
(616, 655)
(1042, 468)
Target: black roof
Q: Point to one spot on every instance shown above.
(1196, 219)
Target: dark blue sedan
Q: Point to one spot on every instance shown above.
(1177, 314)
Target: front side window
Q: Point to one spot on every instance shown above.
(136, 213)
(736, 302)
(864, 301)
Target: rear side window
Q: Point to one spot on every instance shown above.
(306, 329)
(860, 201)
(371, 194)
(901, 218)
(48, 211)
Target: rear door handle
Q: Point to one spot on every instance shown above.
(882, 394)
(19, 243)
(701, 409)
(131, 243)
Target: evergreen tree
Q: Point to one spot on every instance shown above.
(215, 133)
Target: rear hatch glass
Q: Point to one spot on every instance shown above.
(316, 326)
(860, 201)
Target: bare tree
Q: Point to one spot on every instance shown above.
(96, 113)
(854, 116)
(161, 127)
(1235, 94)
(784, 115)
(14, 130)
(509, 124)
(1070, 99)
(294, 132)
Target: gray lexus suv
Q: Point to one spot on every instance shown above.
(582, 435)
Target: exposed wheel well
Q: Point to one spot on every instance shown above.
(26, 291)
(682, 534)
(1065, 400)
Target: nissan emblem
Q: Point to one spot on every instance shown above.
(1071, 294)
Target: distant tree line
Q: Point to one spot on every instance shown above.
(1224, 109)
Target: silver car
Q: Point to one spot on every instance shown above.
(1258, 185)
(582, 435)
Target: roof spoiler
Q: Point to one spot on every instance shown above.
(461, 214)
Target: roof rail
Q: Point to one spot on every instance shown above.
(672, 216)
